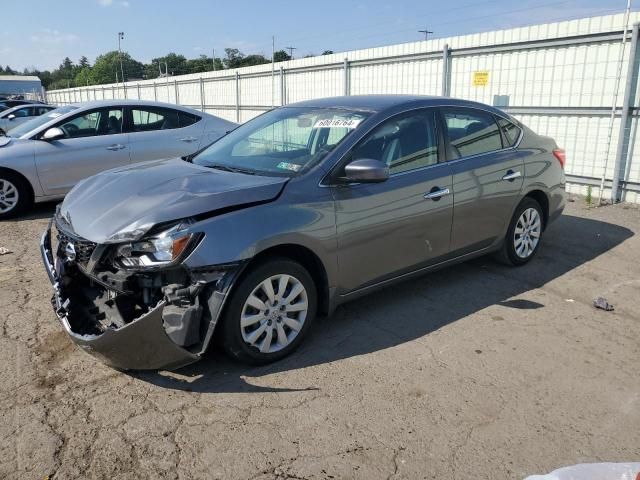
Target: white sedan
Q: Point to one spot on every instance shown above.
(44, 158)
(12, 117)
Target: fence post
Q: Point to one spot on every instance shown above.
(201, 94)
(346, 77)
(237, 96)
(282, 86)
(175, 87)
(446, 73)
(625, 123)
(155, 91)
(139, 91)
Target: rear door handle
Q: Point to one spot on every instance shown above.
(436, 193)
(117, 146)
(188, 139)
(511, 175)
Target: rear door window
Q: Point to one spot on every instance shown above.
(145, 119)
(471, 131)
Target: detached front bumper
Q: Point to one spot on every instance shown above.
(141, 344)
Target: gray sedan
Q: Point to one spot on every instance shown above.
(45, 157)
(293, 213)
(15, 116)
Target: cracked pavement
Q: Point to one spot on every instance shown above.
(477, 371)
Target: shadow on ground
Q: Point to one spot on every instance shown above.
(412, 309)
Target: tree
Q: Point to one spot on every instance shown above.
(234, 58)
(106, 65)
(84, 77)
(327, 52)
(83, 62)
(281, 56)
(251, 60)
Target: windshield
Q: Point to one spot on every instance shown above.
(281, 142)
(26, 127)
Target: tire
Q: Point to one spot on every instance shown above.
(260, 338)
(2, 133)
(519, 248)
(15, 195)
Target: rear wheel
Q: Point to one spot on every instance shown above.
(15, 195)
(269, 312)
(524, 234)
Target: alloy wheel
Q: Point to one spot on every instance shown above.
(526, 235)
(9, 196)
(274, 313)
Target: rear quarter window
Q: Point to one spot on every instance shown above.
(185, 119)
(510, 131)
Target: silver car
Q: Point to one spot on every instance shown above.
(291, 214)
(15, 116)
(44, 158)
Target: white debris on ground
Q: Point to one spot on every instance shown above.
(593, 471)
(4, 251)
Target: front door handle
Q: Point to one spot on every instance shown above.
(436, 193)
(511, 175)
(117, 146)
(188, 139)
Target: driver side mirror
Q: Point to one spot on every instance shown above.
(11, 117)
(54, 133)
(366, 170)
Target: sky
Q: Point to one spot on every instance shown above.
(40, 33)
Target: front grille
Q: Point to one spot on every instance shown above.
(83, 248)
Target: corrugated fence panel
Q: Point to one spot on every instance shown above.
(423, 77)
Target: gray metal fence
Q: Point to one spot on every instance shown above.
(561, 79)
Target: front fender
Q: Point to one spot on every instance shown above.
(241, 235)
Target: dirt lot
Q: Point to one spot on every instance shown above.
(479, 371)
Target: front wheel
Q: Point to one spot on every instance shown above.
(524, 234)
(269, 312)
(15, 195)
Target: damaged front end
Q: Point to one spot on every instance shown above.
(138, 319)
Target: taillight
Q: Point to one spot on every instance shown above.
(561, 156)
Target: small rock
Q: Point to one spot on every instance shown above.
(4, 251)
(602, 304)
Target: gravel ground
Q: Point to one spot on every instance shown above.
(478, 371)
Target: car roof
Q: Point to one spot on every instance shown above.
(379, 103)
(123, 102)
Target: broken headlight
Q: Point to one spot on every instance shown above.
(157, 250)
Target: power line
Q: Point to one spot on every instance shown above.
(426, 33)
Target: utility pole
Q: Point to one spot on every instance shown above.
(291, 49)
(213, 58)
(426, 33)
(120, 37)
(273, 69)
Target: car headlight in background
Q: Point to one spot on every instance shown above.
(161, 249)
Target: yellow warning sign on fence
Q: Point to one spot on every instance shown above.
(481, 78)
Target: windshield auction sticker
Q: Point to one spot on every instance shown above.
(294, 167)
(337, 123)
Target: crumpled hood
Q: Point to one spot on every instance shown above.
(108, 207)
